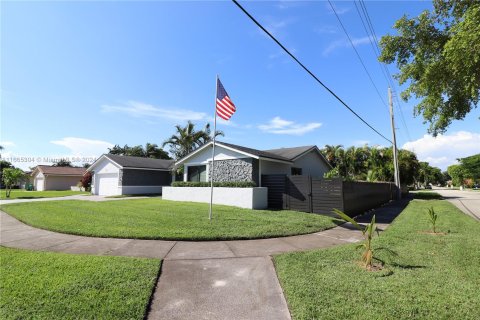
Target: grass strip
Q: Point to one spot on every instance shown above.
(46, 285)
(433, 276)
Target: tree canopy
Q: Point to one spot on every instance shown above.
(438, 55)
(376, 164)
(151, 150)
(471, 166)
(10, 177)
(62, 163)
(186, 139)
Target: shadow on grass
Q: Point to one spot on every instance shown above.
(22, 198)
(427, 196)
(406, 266)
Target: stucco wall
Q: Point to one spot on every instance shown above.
(312, 164)
(61, 182)
(250, 198)
(105, 166)
(232, 170)
(270, 167)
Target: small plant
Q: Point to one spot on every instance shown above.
(367, 256)
(433, 218)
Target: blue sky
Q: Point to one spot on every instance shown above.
(77, 77)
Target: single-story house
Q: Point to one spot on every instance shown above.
(237, 163)
(117, 175)
(56, 178)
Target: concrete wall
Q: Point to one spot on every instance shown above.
(312, 164)
(61, 182)
(250, 198)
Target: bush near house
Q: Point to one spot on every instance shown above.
(224, 184)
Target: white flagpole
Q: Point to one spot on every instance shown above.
(213, 150)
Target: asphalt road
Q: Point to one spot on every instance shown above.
(467, 200)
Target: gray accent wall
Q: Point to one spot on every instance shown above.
(138, 177)
(234, 170)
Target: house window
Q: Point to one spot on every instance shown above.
(197, 173)
(296, 171)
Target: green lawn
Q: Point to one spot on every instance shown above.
(44, 285)
(23, 194)
(162, 219)
(433, 276)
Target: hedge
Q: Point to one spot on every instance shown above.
(225, 184)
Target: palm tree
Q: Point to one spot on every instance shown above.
(188, 139)
(330, 153)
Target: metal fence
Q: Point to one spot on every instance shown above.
(318, 195)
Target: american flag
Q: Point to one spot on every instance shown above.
(225, 107)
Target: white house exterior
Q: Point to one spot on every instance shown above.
(56, 178)
(119, 175)
(237, 163)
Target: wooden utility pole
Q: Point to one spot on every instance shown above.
(395, 155)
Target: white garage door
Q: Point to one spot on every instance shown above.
(106, 184)
(39, 184)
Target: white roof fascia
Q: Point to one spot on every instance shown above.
(100, 159)
(216, 144)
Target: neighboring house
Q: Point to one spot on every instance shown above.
(56, 178)
(26, 180)
(117, 175)
(237, 163)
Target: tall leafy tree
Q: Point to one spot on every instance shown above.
(471, 166)
(62, 163)
(438, 55)
(11, 177)
(186, 139)
(151, 150)
(457, 173)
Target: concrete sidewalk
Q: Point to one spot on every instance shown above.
(202, 280)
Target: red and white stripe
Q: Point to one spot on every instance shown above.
(225, 108)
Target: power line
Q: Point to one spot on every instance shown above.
(308, 71)
(377, 52)
(358, 55)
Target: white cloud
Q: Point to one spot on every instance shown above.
(344, 43)
(140, 109)
(84, 147)
(280, 126)
(443, 150)
(6, 144)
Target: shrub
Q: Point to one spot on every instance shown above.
(225, 184)
(433, 218)
(86, 181)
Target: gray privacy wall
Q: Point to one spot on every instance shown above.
(136, 177)
(235, 170)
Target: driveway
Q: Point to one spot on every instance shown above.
(467, 200)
